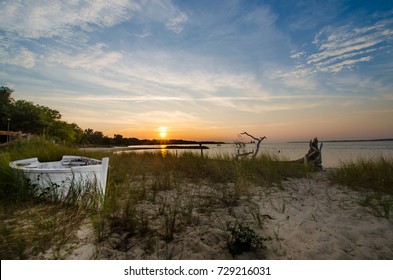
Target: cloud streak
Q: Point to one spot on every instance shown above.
(17, 55)
(339, 49)
(48, 18)
(176, 23)
(91, 58)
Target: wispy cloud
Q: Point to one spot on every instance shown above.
(143, 34)
(48, 18)
(338, 49)
(91, 58)
(67, 27)
(177, 22)
(29, 27)
(17, 55)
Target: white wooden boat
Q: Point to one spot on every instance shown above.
(70, 175)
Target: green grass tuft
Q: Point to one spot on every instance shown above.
(366, 174)
(374, 178)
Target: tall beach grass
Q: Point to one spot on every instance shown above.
(367, 174)
(374, 178)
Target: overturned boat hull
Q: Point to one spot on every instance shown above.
(61, 179)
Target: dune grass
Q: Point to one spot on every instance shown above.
(367, 174)
(374, 177)
(146, 193)
(221, 169)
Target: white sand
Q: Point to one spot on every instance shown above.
(306, 219)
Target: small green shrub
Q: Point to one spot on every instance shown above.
(244, 239)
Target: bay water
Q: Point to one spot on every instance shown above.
(333, 153)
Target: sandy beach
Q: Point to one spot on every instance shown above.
(306, 219)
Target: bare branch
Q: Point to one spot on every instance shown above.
(256, 139)
(259, 140)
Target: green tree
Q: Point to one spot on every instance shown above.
(41, 120)
(6, 102)
(5, 95)
(36, 119)
(78, 133)
(118, 140)
(26, 117)
(63, 131)
(48, 114)
(92, 137)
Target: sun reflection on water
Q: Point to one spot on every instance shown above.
(163, 150)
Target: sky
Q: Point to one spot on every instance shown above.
(205, 70)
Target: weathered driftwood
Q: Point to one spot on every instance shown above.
(242, 146)
(314, 154)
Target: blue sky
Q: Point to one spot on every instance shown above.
(290, 70)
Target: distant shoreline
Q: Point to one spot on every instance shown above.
(145, 147)
(350, 140)
(196, 144)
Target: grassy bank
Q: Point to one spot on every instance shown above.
(147, 194)
(372, 177)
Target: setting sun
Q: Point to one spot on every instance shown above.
(162, 130)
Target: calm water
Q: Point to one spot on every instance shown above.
(332, 152)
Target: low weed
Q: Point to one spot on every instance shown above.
(380, 205)
(187, 210)
(244, 239)
(99, 223)
(256, 215)
(125, 217)
(170, 217)
(241, 181)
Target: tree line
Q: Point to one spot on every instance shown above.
(25, 116)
